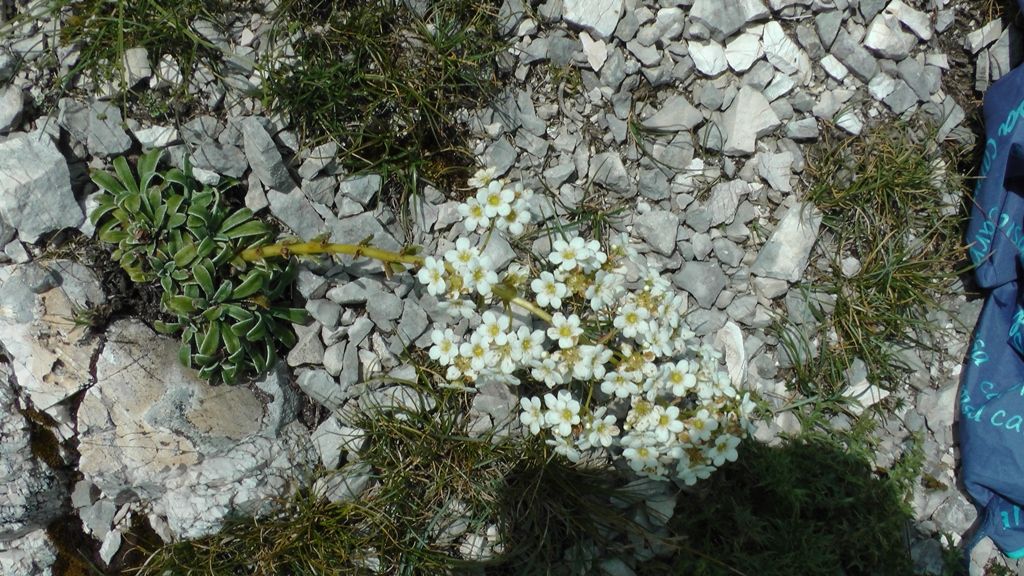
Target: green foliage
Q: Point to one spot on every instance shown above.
(385, 81)
(891, 200)
(232, 316)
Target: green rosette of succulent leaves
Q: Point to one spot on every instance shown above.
(232, 315)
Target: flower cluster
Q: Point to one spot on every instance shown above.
(612, 370)
(497, 204)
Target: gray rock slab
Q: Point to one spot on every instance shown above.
(784, 256)
(228, 160)
(827, 25)
(263, 156)
(725, 18)
(675, 114)
(702, 280)
(32, 493)
(983, 37)
(189, 452)
(658, 229)
(309, 349)
(356, 229)
(599, 17)
(853, 54)
(295, 210)
(724, 199)
(362, 188)
(885, 36)
(776, 169)
(607, 170)
(97, 125)
(322, 388)
(12, 102)
(35, 187)
(156, 136)
(384, 309)
(750, 117)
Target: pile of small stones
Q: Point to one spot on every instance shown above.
(728, 97)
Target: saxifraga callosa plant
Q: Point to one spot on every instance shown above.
(612, 371)
(231, 314)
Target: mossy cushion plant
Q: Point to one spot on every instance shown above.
(231, 314)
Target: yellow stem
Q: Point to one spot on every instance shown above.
(307, 248)
(531, 307)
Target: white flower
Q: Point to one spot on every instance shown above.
(565, 330)
(482, 177)
(463, 253)
(691, 474)
(480, 355)
(605, 290)
(564, 446)
(678, 378)
(702, 425)
(549, 372)
(631, 319)
(640, 453)
(532, 415)
(567, 254)
(459, 307)
(563, 412)
(474, 214)
(445, 347)
(515, 221)
(667, 424)
(619, 384)
(723, 450)
(495, 199)
(532, 343)
(494, 328)
(432, 274)
(549, 290)
(600, 430)
(480, 276)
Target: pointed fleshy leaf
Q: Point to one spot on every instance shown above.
(185, 255)
(185, 355)
(242, 327)
(106, 181)
(211, 340)
(293, 315)
(232, 343)
(203, 277)
(181, 305)
(252, 284)
(239, 217)
(223, 292)
(257, 332)
(147, 168)
(166, 327)
(105, 206)
(250, 228)
(124, 174)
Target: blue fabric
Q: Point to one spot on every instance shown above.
(991, 423)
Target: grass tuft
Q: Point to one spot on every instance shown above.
(387, 83)
(890, 205)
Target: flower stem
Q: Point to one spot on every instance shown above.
(308, 248)
(531, 307)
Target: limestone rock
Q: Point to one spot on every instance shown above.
(784, 256)
(31, 493)
(749, 117)
(150, 430)
(51, 356)
(35, 187)
(97, 125)
(599, 17)
(263, 156)
(723, 19)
